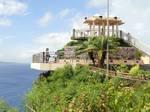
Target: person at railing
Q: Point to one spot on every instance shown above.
(43, 55)
(47, 55)
(129, 37)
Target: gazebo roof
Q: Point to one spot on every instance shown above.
(100, 20)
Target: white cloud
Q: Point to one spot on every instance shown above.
(5, 22)
(77, 21)
(12, 7)
(1, 41)
(96, 3)
(65, 12)
(136, 15)
(1, 56)
(45, 19)
(54, 41)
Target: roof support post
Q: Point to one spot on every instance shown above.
(104, 30)
(93, 32)
(112, 30)
(90, 32)
(99, 30)
(117, 29)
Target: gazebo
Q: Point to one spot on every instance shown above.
(98, 26)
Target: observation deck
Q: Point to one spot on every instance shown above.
(97, 26)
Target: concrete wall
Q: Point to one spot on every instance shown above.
(59, 64)
(46, 66)
(146, 59)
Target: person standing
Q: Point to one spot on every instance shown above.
(47, 55)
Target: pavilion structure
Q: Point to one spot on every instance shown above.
(97, 26)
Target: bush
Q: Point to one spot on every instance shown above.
(81, 90)
(135, 70)
(4, 107)
(123, 68)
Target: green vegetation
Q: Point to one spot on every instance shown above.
(81, 90)
(123, 68)
(75, 43)
(60, 53)
(96, 48)
(135, 70)
(4, 107)
(138, 54)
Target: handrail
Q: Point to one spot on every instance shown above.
(135, 42)
(43, 57)
(121, 75)
(83, 33)
(86, 33)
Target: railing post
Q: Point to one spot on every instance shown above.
(43, 57)
(73, 33)
(121, 34)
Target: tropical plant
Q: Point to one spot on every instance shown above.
(4, 107)
(135, 70)
(74, 43)
(96, 48)
(86, 47)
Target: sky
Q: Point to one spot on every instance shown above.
(30, 26)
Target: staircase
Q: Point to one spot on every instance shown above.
(135, 42)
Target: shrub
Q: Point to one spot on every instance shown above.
(123, 68)
(4, 107)
(135, 70)
(81, 90)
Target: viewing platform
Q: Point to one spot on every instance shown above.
(46, 61)
(98, 27)
(49, 61)
(58, 64)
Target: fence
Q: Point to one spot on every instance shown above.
(44, 57)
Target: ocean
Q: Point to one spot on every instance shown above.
(15, 81)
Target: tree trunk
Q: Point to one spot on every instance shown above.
(92, 57)
(102, 60)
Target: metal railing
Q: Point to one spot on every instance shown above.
(85, 34)
(135, 42)
(44, 57)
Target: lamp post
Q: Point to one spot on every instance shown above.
(107, 37)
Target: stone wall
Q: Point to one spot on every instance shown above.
(127, 53)
(70, 52)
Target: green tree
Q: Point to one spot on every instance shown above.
(86, 47)
(98, 46)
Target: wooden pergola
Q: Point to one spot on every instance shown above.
(100, 23)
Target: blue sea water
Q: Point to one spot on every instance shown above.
(15, 81)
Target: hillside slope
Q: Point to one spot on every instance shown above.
(81, 90)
